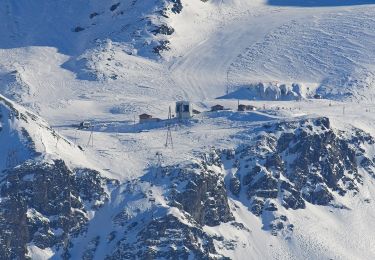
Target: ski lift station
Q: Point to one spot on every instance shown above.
(184, 110)
(84, 125)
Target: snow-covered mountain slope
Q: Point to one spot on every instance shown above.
(292, 180)
(48, 190)
(271, 186)
(74, 26)
(26, 136)
(327, 49)
(331, 50)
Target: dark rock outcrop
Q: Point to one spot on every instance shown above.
(202, 191)
(301, 161)
(196, 197)
(46, 204)
(163, 29)
(177, 6)
(285, 165)
(298, 162)
(167, 238)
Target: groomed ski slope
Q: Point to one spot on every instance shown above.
(216, 45)
(317, 46)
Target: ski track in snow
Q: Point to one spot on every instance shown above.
(312, 46)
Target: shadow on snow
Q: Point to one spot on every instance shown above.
(319, 3)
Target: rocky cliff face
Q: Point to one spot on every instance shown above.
(290, 164)
(46, 204)
(286, 165)
(43, 202)
(195, 196)
(200, 191)
(167, 237)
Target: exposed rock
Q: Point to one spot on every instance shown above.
(162, 46)
(285, 165)
(78, 29)
(177, 6)
(167, 238)
(202, 191)
(45, 204)
(295, 162)
(196, 197)
(114, 7)
(235, 185)
(163, 29)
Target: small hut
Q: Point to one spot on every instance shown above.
(84, 125)
(144, 118)
(217, 108)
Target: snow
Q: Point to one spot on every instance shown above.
(218, 46)
(39, 254)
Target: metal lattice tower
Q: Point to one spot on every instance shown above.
(169, 140)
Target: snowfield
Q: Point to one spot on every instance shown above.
(107, 62)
